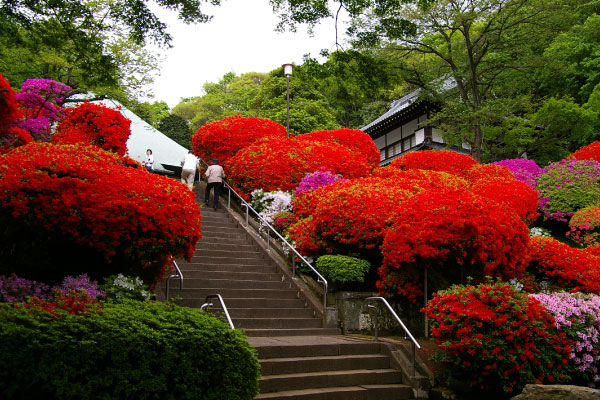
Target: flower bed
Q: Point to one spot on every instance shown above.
(355, 139)
(436, 160)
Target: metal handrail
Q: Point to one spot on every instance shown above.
(249, 208)
(178, 275)
(208, 304)
(376, 338)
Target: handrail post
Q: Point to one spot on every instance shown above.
(293, 266)
(179, 274)
(223, 306)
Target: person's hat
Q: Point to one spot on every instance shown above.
(215, 161)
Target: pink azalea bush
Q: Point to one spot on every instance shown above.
(578, 315)
(315, 180)
(524, 170)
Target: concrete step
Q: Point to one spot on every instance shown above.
(276, 323)
(252, 304)
(224, 236)
(206, 245)
(228, 260)
(317, 349)
(230, 253)
(207, 267)
(270, 312)
(293, 365)
(228, 293)
(225, 242)
(242, 275)
(311, 380)
(292, 332)
(363, 392)
(222, 228)
(208, 282)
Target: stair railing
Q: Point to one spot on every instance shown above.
(263, 222)
(376, 336)
(223, 307)
(178, 274)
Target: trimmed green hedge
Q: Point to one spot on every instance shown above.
(342, 269)
(133, 350)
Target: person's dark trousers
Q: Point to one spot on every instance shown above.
(216, 193)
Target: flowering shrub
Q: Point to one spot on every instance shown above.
(222, 139)
(589, 152)
(282, 221)
(495, 337)
(280, 164)
(120, 287)
(479, 172)
(69, 209)
(14, 289)
(268, 204)
(347, 213)
(585, 226)
(578, 315)
(519, 196)
(94, 124)
(568, 186)
(75, 303)
(538, 231)
(524, 170)
(81, 283)
(424, 179)
(436, 160)
(10, 136)
(315, 180)
(39, 101)
(444, 231)
(355, 139)
(563, 266)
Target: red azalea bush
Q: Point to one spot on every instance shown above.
(425, 179)
(10, 136)
(74, 303)
(561, 266)
(222, 139)
(72, 209)
(349, 213)
(517, 195)
(585, 226)
(280, 163)
(354, 139)
(95, 124)
(436, 160)
(480, 172)
(497, 338)
(446, 231)
(589, 152)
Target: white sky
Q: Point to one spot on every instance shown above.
(240, 38)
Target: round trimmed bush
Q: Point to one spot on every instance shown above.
(134, 350)
(341, 269)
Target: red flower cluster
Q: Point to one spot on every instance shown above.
(585, 226)
(444, 231)
(280, 163)
(355, 139)
(347, 213)
(99, 201)
(479, 172)
(519, 196)
(568, 267)
(10, 136)
(95, 124)
(496, 337)
(73, 303)
(425, 179)
(223, 139)
(436, 160)
(589, 152)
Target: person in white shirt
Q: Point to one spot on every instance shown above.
(149, 163)
(189, 164)
(214, 176)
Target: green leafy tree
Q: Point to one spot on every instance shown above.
(176, 128)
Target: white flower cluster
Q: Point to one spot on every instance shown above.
(132, 284)
(269, 204)
(536, 231)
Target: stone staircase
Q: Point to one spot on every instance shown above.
(300, 359)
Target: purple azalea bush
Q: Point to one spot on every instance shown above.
(578, 315)
(14, 289)
(567, 186)
(315, 180)
(526, 171)
(39, 101)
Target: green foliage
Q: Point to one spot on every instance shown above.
(177, 129)
(342, 270)
(134, 350)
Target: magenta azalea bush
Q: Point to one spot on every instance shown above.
(524, 170)
(14, 289)
(567, 186)
(315, 180)
(578, 315)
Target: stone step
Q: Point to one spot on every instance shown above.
(227, 260)
(229, 253)
(250, 304)
(224, 236)
(228, 293)
(363, 392)
(207, 267)
(292, 365)
(280, 312)
(209, 282)
(276, 323)
(242, 275)
(202, 246)
(223, 228)
(292, 332)
(317, 350)
(311, 380)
